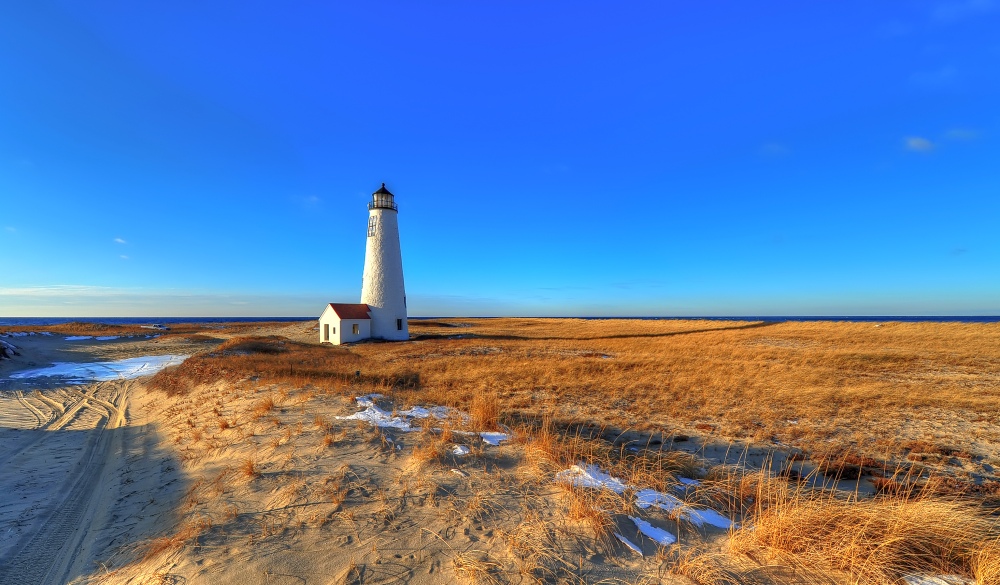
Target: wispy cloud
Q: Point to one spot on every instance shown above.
(959, 251)
(75, 300)
(948, 12)
(310, 201)
(962, 134)
(120, 241)
(10, 229)
(918, 144)
(123, 257)
(61, 290)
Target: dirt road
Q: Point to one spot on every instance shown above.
(58, 456)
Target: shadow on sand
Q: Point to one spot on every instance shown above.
(70, 499)
(429, 336)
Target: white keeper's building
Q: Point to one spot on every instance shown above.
(382, 311)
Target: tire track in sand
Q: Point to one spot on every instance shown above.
(39, 416)
(47, 556)
(57, 407)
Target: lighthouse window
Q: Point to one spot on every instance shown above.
(372, 224)
(399, 324)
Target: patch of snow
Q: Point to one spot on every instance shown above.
(368, 399)
(629, 544)
(494, 438)
(81, 373)
(46, 333)
(658, 535)
(689, 482)
(7, 349)
(400, 419)
(700, 517)
(106, 337)
(375, 416)
(461, 451)
(937, 580)
(649, 497)
(438, 412)
(591, 476)
(78, 337)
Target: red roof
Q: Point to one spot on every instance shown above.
(350, 311)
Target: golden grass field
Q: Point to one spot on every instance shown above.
(845, 453)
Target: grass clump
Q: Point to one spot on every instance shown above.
(874, 541)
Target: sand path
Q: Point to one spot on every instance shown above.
(57, 468)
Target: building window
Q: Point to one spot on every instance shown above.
(372, 225)
(334, 330)
(326, 332)
(399, 324)
(356, 329)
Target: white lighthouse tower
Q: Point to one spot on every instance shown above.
(382, 281)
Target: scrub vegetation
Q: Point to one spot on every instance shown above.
(843, 452)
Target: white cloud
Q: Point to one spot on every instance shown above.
(123, 257)
(918, 144)
(120, 241)
(10, 229)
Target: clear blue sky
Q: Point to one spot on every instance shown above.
(548, 158)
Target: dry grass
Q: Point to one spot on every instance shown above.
(874, 541)
(485, 410)
(854, 398)
(477, 568)
(248, 468)
(188, 531)
(730, 379)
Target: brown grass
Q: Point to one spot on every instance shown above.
(485, 410)
(875, 541)
(248, 468)
(188, 531)
(853, 398)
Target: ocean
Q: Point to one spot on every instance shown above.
(42, 321)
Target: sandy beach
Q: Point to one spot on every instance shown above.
(267, 458)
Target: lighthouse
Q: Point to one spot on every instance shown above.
(382, 280)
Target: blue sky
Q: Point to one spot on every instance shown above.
(548, 158)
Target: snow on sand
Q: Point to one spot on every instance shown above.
(81, 373)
